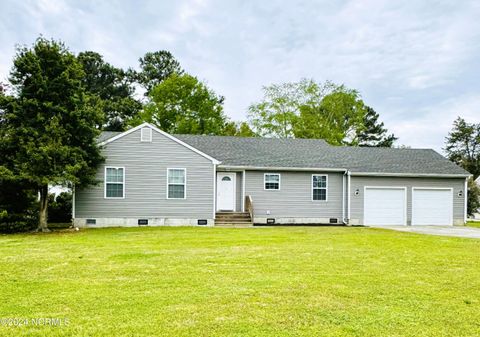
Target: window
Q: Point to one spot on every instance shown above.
(226, 179)
(114, 182)
(271, 181)
(146, 135)
(176, 182)
(319, 187)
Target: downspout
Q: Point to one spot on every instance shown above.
(466, 202)
(348, 195)
(343, 198)
(214, 191)
(73, 205)
(243, 191)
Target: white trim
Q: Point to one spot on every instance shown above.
(274, 168)
(105, 182)
(234, 174)
(279, 181)
(324, 169)
(433, 188)
(412, 175)
(243, 191)
(142, 130)
(319, 188)
(466, 201)
(343, 197)
(404, 188)
(215, 161)
(349, 196)
(184, 182)
(73, 201)
(214, 191)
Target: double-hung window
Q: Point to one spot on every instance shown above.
(176, 183)
(319, 187)
(114, 182)
(271, 181)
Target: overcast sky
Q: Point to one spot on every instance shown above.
(417, 63)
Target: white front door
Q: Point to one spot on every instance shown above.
(225, 191)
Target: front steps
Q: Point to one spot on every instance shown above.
(233, 219)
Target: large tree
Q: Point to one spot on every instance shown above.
(50, 121)
(238, 129)
(155, 67)
(307, 109)
(17, 197)
(183, 104)
(335, 117)
(276, 114)
(374, 133)
(113, 88)
(463, 145)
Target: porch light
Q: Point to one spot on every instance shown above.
(357, 191)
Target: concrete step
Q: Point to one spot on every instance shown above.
(234, 225)
(233, 221)
(232, 214)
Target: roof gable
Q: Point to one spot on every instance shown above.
(108, 138)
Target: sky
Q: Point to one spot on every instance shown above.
(417, 63)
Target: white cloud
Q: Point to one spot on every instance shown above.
(414, 62)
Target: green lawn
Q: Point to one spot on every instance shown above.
(473, 224)
(284, 281)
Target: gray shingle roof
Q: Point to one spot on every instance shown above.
(314, 153)
(107, 135)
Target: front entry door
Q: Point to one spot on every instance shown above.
(225, 191)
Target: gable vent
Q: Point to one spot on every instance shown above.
(146, 135)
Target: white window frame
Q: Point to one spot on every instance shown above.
(105, 182)
(319, 188)
(184, 184)
(142, 130)
(265, 182)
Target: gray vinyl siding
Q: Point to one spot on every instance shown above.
(238, 192)
(146, 166)
(357, 201)
(294, 199)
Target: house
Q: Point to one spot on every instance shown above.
(153, 178)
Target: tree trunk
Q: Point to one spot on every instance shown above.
(42, 219)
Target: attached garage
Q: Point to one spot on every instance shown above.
(432, 206)
(385, 206)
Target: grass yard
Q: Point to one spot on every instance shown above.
(473, 224)
(281, 281)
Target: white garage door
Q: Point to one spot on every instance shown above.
(385, 206)
(432, 206)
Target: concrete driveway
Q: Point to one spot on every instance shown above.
(458, 231)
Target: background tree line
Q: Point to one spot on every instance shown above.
(56, 103)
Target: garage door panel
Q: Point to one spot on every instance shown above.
(432, 207)
(384, 206)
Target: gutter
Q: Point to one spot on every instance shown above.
(278, 168)
(409, 175)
